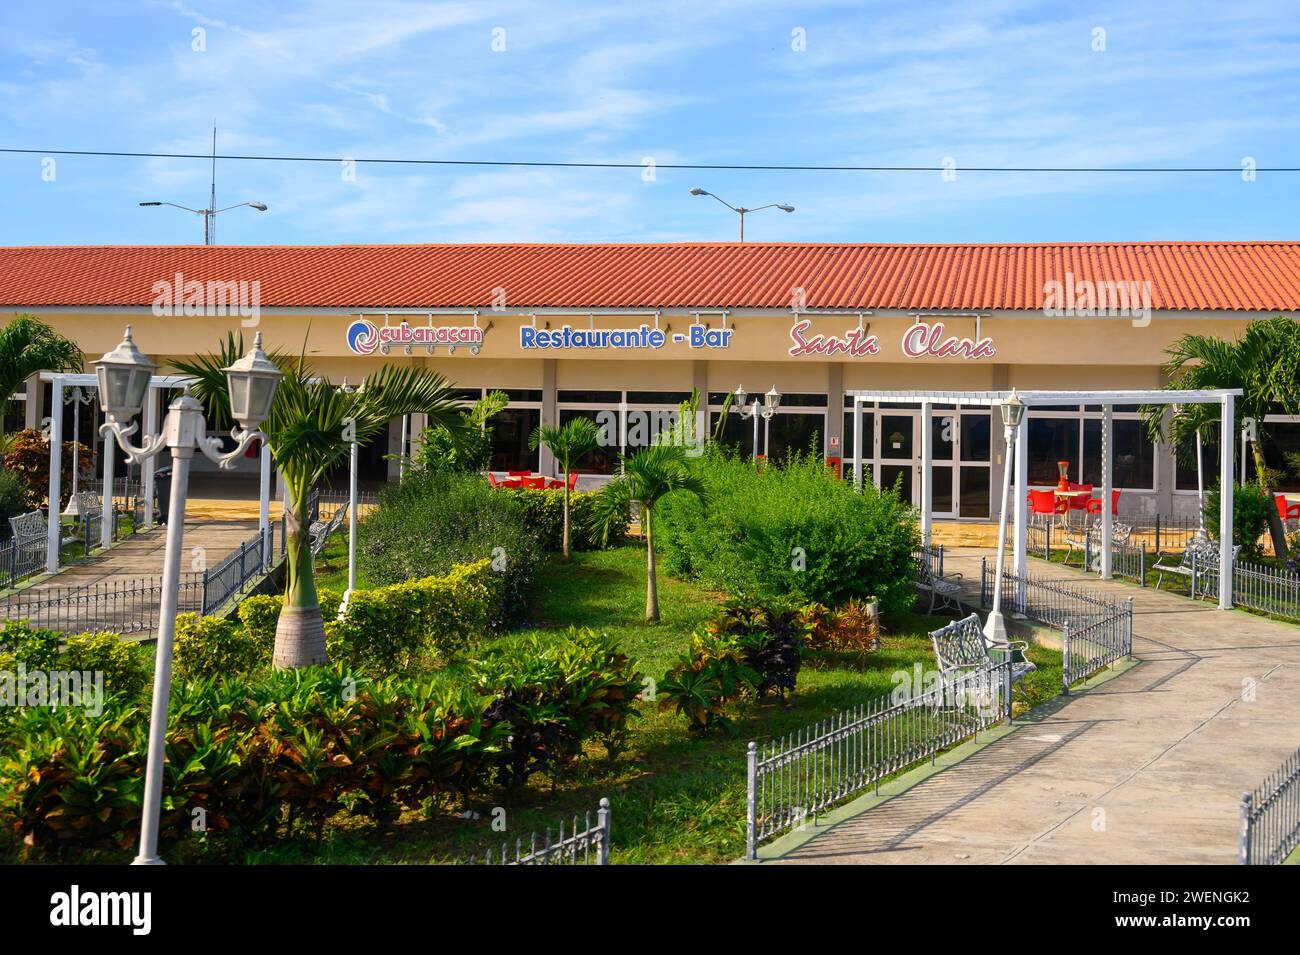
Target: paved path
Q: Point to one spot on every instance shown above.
(142, 554)
(1149, 767)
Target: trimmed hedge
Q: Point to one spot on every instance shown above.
(127, 666)
(793, 530)
(430, 523)
(389, 628)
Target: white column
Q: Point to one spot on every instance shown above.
(1107, 482)
(264, 500)
(1021, 464)
(927, 469)
(857, 443)
(53, 532)
(1226, 446)
(148, 465)
(401, 453)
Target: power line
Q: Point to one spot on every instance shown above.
(741, 167)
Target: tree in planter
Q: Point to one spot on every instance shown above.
(569, 445)
(310, 430)
(648, 477)
(28, 345)
(1264, 363)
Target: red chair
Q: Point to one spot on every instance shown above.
(573, 480)
(1094, 504)
(492, 479)
(519, 474)
(1045, 504)
(1080, 502)
(536, 483)
(1286, 511)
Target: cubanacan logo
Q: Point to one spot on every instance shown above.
(364, 337)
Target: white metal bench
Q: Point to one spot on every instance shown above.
(30, 531)
(961, 647)
(945, 589)
(1077, 538)
(1200, 552)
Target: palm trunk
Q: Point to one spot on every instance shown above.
(300, 632)
(565, 547)
(1275, 529)
(651, 584)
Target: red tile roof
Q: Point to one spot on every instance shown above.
(1250, 276)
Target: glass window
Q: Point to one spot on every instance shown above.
(468, 394)
(976, 437)
(803, 401)
(591, 397)
(1281, 444)
(974, 492)
(522, 394)
(737, 433)
(943, 436)
(658, 397)
(1185, 466)
(511, 429)
(604, 460)
(1134, 460)
(1052, 440)
(794, 434)
(868, 430)
(941, 490)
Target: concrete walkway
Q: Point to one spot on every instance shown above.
(1148, 767)
(141, 555)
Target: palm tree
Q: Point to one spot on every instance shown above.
(309, 431)
(1264, 363)
(28, 345)
(569, 445)
(648, 476)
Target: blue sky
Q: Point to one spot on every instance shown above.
(994, 83)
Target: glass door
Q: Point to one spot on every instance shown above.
(896, 439)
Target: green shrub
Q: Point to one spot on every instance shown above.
(389, 628)
(712, 674)
(430, 523)
(556, 696)
(1250, 507)
(127, 666)
(791, 530)
(772, 637)
(13, 500)
(544, 515)
(260, 613)
(260, 758)
(215, 646)
(34, 647)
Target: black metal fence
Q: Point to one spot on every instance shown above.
(122, 606)
(585, 844)
(1270, 816)
(1096, 629)
(792, 779)
(248, 562)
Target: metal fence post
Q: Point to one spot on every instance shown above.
(203, 594)
(1243, 852)
(1065, 658)
(751, 803)
(984, 576)
(603, 816)
(1128, 629)
(1008, 686)
(1157, 532)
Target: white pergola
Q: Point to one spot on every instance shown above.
(1107, 399)
(150, 425)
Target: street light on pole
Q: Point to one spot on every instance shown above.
(123, 376)
(209, 233)
(1013, 412)
(771, 401)
(741, 210)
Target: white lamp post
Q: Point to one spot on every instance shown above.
(352, 513)
(771, 401)
(123, 380)
(1013, 412)
(76, 397)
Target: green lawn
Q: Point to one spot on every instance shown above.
(676, 799)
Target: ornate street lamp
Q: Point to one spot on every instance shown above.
(771, 401)
(123, 380)
(1013, 412)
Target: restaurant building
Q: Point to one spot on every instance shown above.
(623, 333)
